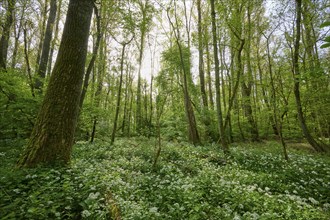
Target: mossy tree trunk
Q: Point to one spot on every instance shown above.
(4, 40)
(52, 136)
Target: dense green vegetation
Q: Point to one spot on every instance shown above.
(188, 183)
(164, 109)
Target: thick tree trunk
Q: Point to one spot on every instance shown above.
(53, 134)
(46, 46)
(296, 74)
(6, 33)
(217, 82)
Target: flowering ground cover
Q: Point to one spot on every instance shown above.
(189, 182)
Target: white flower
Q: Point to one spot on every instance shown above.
(153, 209)
(237, 217)
(17, 190)
(86, 213)
(326, 206)
(313, 201)
(93, 195)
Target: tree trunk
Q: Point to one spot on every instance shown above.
(200, 52)
(17, 32)
(113, 135)
(50, 62)
(6, 33)
(46, 46)
(193, 135)
(217, 82)
(53, 134)
(26, 56)
(92, 61)
(42, 32)
(247, 83)
(209, 78)
(296, 74)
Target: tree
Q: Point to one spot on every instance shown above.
(296, 74)
(144, 25)
(46, 46)
(193, 135)
(6, 33)
(221, 128)
(52, 136)
(55, 38)
(114, 130)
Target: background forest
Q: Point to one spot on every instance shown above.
(200, 90)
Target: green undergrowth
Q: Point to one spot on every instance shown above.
(189, 182)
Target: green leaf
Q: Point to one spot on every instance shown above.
(325, 24)
(325, 45)
(327, 39)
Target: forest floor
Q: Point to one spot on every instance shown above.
(189, 182)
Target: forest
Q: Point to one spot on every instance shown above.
(165, 109)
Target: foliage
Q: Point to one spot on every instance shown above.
(17, 106)
(327, 38)
(188, 183)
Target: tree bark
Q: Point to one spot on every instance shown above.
(17, 32)
(46, 46)
(42, 32)
(296, 74)
(124, 44)
(53, 134)
(6, 33)
(223, 139)
(93, 59)
(193, 135)
(247, 82)
(50, 62)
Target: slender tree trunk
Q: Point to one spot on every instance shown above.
(193, 135)
(200, 52)
(296, 73)
(277, 120)
(50, 62)
(247, 83)
(17, 35)
(42, 32)
(217, 83)
(46, 46)
(100, 76)
(139, 93)
(92, 61)
(209, 78)
(53, 134)
(6, 34)
(26, 56)
(151, 106)
(113, 135)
